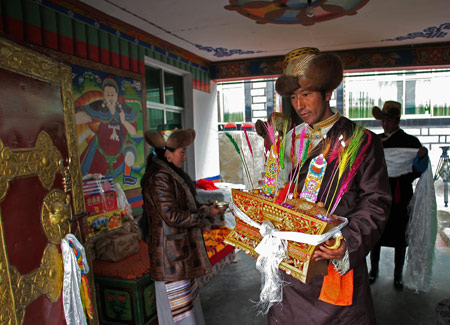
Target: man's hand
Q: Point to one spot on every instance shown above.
(422, 152)
(323, 253)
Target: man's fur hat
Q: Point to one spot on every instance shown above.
(307, 68)
(176, 139)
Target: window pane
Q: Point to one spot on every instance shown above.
(155, 118)
(422, 93)
(261, 84)
(153, 84)
(258, 92)
(232, 105)
(417, 96)
(173, 120)
(439, 96)
(361, 96)
(173, 88)
(362, 93)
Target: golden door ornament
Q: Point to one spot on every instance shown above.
(56, 215)
(47, 279)
(44, 161)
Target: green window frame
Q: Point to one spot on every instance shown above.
(165, 98)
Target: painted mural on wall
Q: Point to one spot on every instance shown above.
(294, 11)
(108, 111)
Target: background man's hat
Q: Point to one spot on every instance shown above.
(175, 139)
(307, 68)
(390, 109)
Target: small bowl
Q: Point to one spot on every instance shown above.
(222, 205)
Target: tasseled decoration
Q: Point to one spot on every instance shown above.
(343, 162)
(327, 147)
(281, 157)
(336, 149)
(293, 147)
(248, 142)
(336, 153)
(355, 144)
(293, 173)
(353, 170)
(306, 151)
(250, 148)
(300, 149)
(303, 156)
(283, 143)
(85, 291)
(270, 132)
(350, 151)
(299, 155)
(236, 147)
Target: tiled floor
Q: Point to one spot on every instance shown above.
(227, 298)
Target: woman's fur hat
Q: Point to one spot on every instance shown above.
(307, 68)
(177, 139)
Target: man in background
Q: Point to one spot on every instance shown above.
(401, 189)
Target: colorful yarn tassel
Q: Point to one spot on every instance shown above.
(85, 292)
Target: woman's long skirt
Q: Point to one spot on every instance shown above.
(178, 302)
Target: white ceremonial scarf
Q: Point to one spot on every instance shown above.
(73, 306)
(399, 161)
(422, 228)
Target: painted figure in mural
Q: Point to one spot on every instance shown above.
(111, 151)
(401, 187)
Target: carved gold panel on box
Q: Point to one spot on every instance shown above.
(298, 263)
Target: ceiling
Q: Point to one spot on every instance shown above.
(207, 29)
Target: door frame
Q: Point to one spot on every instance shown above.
(30, 63)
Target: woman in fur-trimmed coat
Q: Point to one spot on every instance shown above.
(177, 250)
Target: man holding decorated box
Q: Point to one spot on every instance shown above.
(353, 185)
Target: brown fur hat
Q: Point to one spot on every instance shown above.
(176, 139)
(309, 69)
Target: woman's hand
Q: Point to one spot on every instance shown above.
(323, 253)
(214, 211)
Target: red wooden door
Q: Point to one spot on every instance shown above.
(40, 184)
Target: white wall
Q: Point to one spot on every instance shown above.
(206, 142)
